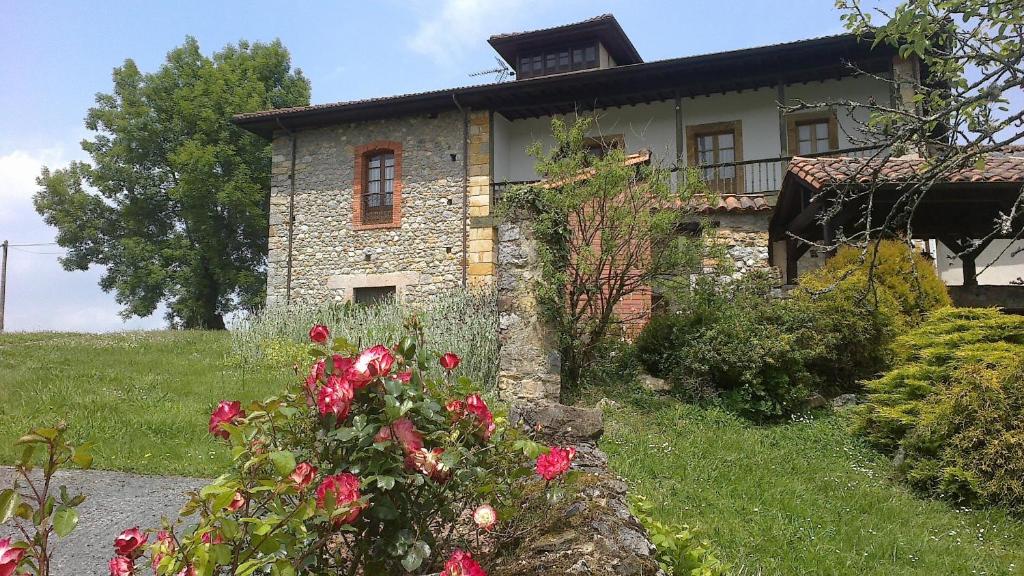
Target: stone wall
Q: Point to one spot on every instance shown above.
(420, 257)
(591, 533)
(528, 360)
(744, 237)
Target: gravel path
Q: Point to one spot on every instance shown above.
(114, 501)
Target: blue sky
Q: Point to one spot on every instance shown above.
(55, 56)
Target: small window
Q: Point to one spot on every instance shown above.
(379, 194)
(812, 134)
(372, 295)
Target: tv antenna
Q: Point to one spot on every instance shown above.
(501, 72)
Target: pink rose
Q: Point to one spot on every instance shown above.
(121, 566)
(319, 333)
(303, 475)
(404, 377)
(164, 546)
(345, 488)
(409, 438)
(129, 543)
(476, 406)
(225, 413)
(485, 516)
(10, 557)
(462, 564)
(449, 361)
(429, 462)
(456, 409)
(237, 502)
(335, 398)
(316, 375)
(555, 463)
(189, 570)
(373, 362)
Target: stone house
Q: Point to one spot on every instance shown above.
(397, 195)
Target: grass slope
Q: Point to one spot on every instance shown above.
(798, 498)
(143, 397)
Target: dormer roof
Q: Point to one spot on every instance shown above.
(604, 28)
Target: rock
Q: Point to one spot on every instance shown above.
(558, 421)
(654, 384)
(899, 458)
(845, 400)
(815, 401)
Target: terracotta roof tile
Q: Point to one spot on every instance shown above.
(734, 203)
(821, 171)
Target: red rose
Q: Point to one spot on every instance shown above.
(225, 413)
(345, 488)
(405, 431)
(129, 543)
(316, 375)
(404, 376)
(319, 333)
(462, 564)
(164, 545)
(121, 566)
(342, 365)
(237, 502)
(450, 361)
(303, 475)
(373, 362)
(555, 463)
(429, 463)
(335, 398)
(476, 406)
(10, 557)
(485, 517)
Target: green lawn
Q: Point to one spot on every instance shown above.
(143, 397)
(798, 498)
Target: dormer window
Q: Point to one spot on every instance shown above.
(557, 61)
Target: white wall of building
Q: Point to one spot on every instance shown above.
(1006, 269)
(653, 126)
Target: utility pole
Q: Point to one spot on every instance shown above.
(3, 284)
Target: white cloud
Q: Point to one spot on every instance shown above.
(460, 25)
(41, 295)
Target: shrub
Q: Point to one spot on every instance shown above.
(678, 550)
(737, 338)
(954, 403)
(890, 267)
(458, 321)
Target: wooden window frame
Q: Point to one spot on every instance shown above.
(363, 154)
(794, 121)
(524, 72)
(694, 131)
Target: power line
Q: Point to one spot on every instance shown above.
(34, 244)
(15, 247)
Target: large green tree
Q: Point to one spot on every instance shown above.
(174, 202)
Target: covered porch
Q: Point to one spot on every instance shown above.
(966, 210)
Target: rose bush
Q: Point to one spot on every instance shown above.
(367, 466)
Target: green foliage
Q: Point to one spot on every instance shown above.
(894, 267)
(679, 551)
(458, 321)
(925, 360)
(603, 233)
(749, 346)
(41, 511)
(967, 444)
(174, 202)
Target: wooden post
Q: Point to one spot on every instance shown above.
(3, 284)
(970, 268)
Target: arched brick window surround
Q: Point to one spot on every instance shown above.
(362, 153)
